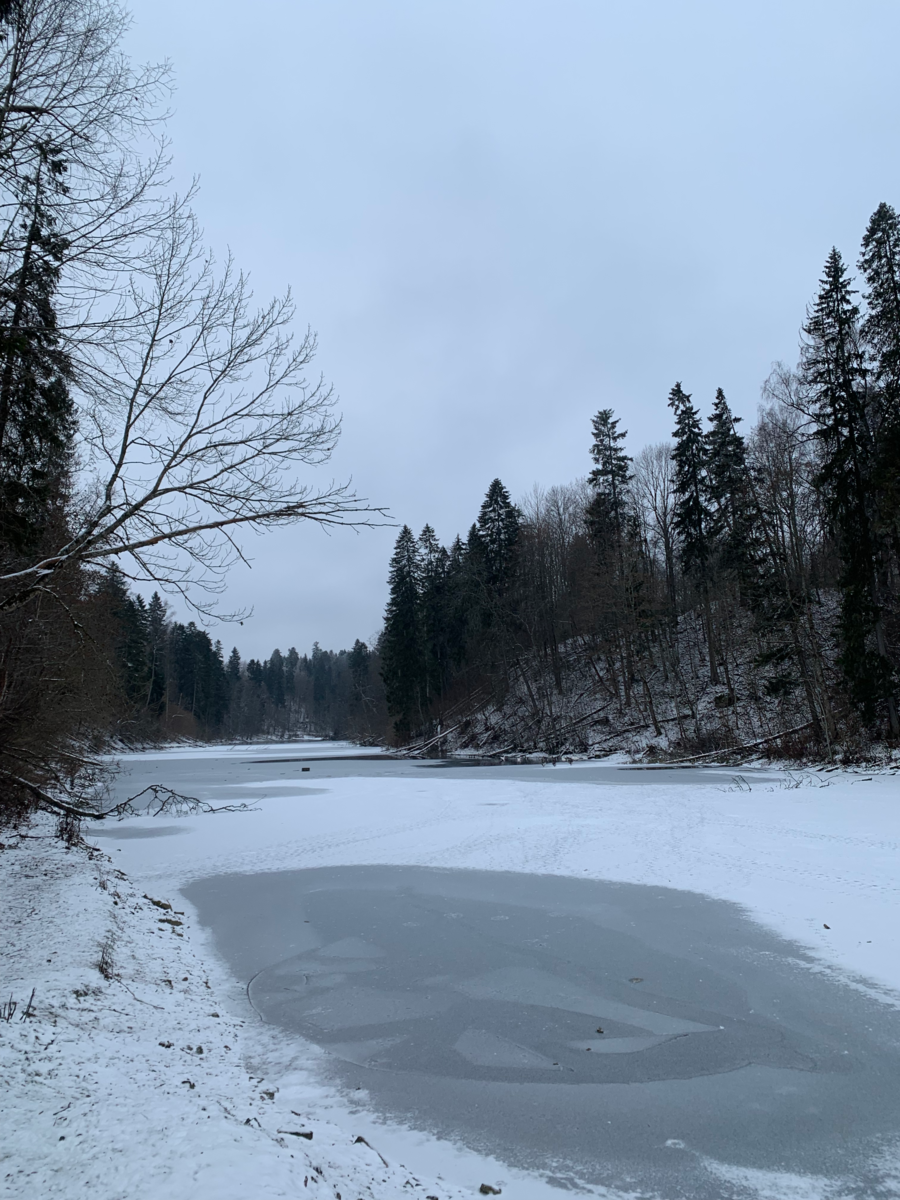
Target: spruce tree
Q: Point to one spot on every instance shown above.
(880, 265)
(490, 574)
(836, 376)
(609, 478)
(273, 675)
(433, 560)
(457, 607)
(358, 662)
(129, 628)
(691, 516)
(219, 691)
(36, 407)
(610, 521)
(233, 667)
(157, 634)
(402, 651)
(729, 493)
(497, 534)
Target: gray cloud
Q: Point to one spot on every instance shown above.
(501, 216)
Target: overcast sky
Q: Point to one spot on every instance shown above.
(502, 215)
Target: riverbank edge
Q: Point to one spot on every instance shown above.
(122, 1071)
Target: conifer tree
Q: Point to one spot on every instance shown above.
(130, 635)
(490, 576)
(835, 373)
(880, 265)
(36, 407)
(457, 593)
(358, 662)
(433, 560)
(157, 635)
(233, 667)
(402, 652)
(497, 534)
(609, 478)
(691, 516)
(198, 670)
(273, 675)
(728, 491)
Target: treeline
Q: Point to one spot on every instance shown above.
(170, 679)
(713, 590)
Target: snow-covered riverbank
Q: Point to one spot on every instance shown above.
(106, 1090)
(142, 1084)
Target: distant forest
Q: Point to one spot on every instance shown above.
(172, 679)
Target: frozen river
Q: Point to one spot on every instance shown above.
(598, 1033)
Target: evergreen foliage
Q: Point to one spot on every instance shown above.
(36, 409)
(609, 479)
(835, 373)
(880, 265)
(729, 492)
(402, 644)
(692, 515)
(495, 536)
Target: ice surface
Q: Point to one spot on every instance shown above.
(90, 1067)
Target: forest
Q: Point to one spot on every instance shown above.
(718, 590)
(170, 679)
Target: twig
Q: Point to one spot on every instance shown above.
(362, 1141)
(139, 1000)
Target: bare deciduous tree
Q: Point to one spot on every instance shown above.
(195, 412)
(192, 407)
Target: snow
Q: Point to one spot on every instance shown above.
(95, 1097)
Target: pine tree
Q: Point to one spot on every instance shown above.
(36, 407)
(273, 675)
(457, 606)
(157, 636)
(198, 671)
(402, 650)
(358, 662)
(835, 373)
(129, 628)
(233, 668)
(490, 578)
(691, 516)
(219, 691)
(880, 265)
(609, 479)
(728, 491)
(433, 561)
(497, 534)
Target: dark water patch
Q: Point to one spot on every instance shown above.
(326, 758)
(618, 1033)
(122, 833)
